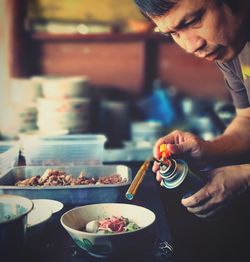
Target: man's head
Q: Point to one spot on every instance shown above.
(211, 29)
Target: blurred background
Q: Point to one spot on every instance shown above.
(80, 67)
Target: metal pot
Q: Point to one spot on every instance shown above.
(13, 222)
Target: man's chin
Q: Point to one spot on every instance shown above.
(230, 54)
(226, 59)
(226, 56)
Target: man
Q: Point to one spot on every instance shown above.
(217, 30)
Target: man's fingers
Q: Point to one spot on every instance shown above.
(197, 199)
(209, 213)
(158, 176)
(155, 167)
(205, 207)
(168, 139)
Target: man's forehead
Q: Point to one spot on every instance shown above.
(183, 10)
(187, 6)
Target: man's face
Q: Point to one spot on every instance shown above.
(205, 28)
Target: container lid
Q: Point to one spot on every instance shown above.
(68, 139)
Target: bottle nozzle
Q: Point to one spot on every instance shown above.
(164, 152)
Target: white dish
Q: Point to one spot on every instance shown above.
(65, 87)
(53, 205)
(42, 211)
(38, 215)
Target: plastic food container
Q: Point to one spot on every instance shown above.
(69, 195)
(68, 150)
(9, 154)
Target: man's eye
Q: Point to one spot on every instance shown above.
(194, 23)
(157, 30)
(174, 34)
(171, 34)
(167, 34)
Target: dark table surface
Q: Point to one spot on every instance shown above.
(54, 243)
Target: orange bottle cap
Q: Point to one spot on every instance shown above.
(164, 152)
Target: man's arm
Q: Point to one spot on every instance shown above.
(234, 143)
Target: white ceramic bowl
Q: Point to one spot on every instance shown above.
(41, 214)
(71, 105)
(66, 87)
(53, 205)
(113, 244)
(71, 114)
(38, 216)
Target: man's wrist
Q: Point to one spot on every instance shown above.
(248, 175)
(210, 154)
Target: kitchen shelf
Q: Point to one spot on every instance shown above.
(126, 61)
(44, 36)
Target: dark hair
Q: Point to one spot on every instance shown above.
(155, 8)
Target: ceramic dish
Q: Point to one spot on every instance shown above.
(38, 215)
(111, 244)
(53, 205)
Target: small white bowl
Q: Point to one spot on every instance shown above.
(113, 244)
(41, 214)
(38, 215)
(53, 205)
(66, 87)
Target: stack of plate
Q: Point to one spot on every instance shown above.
(24, 95)
(65, 87)
(66, 104)
(59, 114)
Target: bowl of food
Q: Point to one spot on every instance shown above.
(109, 229)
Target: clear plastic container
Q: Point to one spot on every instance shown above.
(9, 155)
(67, 150)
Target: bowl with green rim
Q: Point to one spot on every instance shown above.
(105, 243)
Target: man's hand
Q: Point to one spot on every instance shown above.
(186, 145)
(223, 184)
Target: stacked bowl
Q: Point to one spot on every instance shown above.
(65, 105)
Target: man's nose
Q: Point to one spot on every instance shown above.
(191, 42)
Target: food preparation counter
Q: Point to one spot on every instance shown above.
(54, 243)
